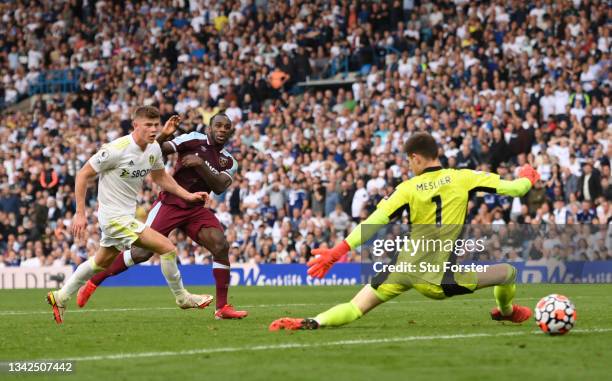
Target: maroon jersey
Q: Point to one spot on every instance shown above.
(219, 160)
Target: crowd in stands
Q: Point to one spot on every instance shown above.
(497, 83)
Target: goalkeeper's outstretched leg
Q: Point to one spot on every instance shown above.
(345, 313)
(501, 277)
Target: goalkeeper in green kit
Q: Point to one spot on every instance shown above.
(434, 197)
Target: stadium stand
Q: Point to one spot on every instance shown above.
(497, 83)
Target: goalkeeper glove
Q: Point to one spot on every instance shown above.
(324, 259)
(529, 173)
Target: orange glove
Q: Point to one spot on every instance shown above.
(529, 173)
(324, 259)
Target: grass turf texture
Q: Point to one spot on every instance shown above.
(132, 321)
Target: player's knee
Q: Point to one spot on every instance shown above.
(102, 263)
(220, 249)
(215, 241)
(500, 274)
(510, 273)
(167, 247)
(140, 255)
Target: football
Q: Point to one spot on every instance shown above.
(555, 314)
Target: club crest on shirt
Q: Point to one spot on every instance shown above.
(223, 161)
(103, 156)
(151, 159)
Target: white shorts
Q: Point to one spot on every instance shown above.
(121, 232)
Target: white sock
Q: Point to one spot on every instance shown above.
(82, 274)
(172, 274)
(127, 258)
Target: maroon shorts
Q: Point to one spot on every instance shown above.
(166, 217)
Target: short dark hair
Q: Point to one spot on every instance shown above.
(222, 114)
(146, 112)
(423, 144)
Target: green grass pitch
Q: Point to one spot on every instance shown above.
(137, 334)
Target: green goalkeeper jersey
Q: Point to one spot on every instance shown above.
(436, 202)
(440, 196)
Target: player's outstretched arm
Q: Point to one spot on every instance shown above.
(167, 182)
(528, 176)
(79, 223)
(217, 181)
(169, 129)
(166, 133)
(324, 259)
(491, 182)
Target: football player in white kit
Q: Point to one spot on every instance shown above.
(122, 166)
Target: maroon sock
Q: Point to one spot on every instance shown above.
(118, 266)
(221, 272)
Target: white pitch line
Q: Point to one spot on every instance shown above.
(6, 313)
(140, 309)
(125, 356)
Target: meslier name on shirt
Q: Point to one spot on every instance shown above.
(433, 184)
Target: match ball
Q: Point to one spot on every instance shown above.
(555, 314)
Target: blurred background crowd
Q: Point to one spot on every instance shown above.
(497, 83)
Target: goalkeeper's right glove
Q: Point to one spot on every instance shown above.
(324, 259)
(529, 173)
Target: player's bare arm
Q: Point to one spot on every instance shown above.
(79, 221)
(169, 129)
(166, 134)
(218, 181)
(167, 182)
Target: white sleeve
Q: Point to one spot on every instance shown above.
(105, 159)
(159, 162)
(177, 142)
(232, 171)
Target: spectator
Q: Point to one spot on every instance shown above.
(589, 185)
(586, 215)
(340, 221)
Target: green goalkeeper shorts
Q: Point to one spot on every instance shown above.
(453, 284)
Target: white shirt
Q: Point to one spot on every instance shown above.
(561, 215)
(252, 198)
(561, 101)
(34, 58)
(585, 187)
(123, 166)
(359, 200)
(224, 217)
(404, 68)
(234, 113)
(197, 22)
(375, 183)
(547, 103)
(254, 177)
(561, 153)
(356, 87)
(31, 262)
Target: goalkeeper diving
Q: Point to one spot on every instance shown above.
(436, 200)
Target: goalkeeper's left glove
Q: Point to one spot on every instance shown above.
(529, 173)
(324, 259)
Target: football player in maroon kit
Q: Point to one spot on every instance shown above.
(203, 165)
